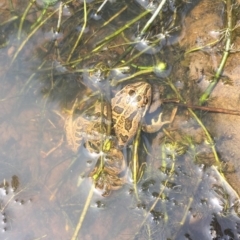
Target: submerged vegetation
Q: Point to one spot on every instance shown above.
(92, 57)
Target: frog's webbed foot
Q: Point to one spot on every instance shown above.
(158, 124)
(155, 125)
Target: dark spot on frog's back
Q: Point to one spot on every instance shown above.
(123, 138)
(129, 121)
(118, 110)
(128, 124)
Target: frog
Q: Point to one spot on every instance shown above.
(108, 177)
(107, 182)
(129, 107)
(90, 129)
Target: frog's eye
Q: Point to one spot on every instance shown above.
(145, 100)
(131, 92)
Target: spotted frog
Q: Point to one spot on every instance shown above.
(90, 129)
(129, 106)
(128, 109)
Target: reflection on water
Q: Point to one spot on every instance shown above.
(55, 81)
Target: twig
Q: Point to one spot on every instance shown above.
(203, 108)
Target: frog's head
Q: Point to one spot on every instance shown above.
(139, 94)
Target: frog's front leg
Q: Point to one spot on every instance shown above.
(157, 125)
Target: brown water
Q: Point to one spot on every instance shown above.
(45, 191)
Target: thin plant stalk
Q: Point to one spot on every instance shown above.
(209, 138)
(114, 16)
(107, 22)
(9, 20)
(101, 131)
(59, 17)
(23, 18)
(83, 214)
(30, 35)
(117, 32)
(82, 30)
(140, 53)
(135, 160)
(63, 180)
(3, 207)
(40, 17)
(205, 46)
(11, 5)
(186, 208)
(145, 71)
(147, 25)
(100, 8)
(227, 49)
(31, 77)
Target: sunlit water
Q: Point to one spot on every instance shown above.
(45, 191)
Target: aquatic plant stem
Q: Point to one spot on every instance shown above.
(205, 46)
(32, 33)
(82, 216)
(109, 37)
(9, 20)
(101, 7)
(59, 17)
(113, 17)
(44, 11)
(28, 37)
(154, 43)
(209, 138)
(82, 30)
(10, 3)
(204, 97)
(147, 25)
(135, 161)
(23, 18)
(134, 75)
(107, 22)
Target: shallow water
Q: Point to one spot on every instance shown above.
(46, 191)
